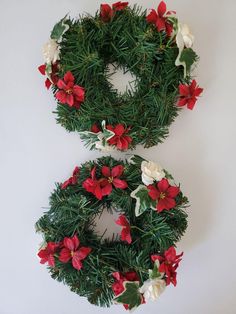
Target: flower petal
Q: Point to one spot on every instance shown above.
(76, 261)
(107, 189)
(163, 185)
(61, 96)
(173, 191)
(122, 221)
(119, 129)
(106, 172)
(65, 255)
(153, 192)
(117, 171)
(125, 235)
(69, 77)
(83, 252)
(152, 17)
(161, 8)
(42, 69)
(120, 184)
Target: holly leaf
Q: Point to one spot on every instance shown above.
(59, 29)
(143, 200)
(107, 134)
(130, 295)
(89, 138)
(187, 58)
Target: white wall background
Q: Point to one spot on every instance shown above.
(35, 152)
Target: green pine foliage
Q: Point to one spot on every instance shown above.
(73, 211)
(130, 43)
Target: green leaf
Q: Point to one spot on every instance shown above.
(130, 295)
(154, 273)
(188, 57)
(143, 200)
(59, 29)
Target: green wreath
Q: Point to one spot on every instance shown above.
(154, 47)
(127, 268)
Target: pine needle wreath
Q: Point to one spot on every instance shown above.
(154, 47)
(132, 267)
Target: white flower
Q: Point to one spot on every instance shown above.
(151, 171)
(51, 51)
(153, 288)
(184, 38)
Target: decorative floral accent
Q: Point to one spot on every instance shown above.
(72, 180)
(107, 12)
(151, 171)
(51, 51)
(98, 187)
(71, 251)
(69, 93)
(120, 139)
(189, 94)
(168, 264)
(125, 233)
(113, 177)
(53, 78)
(164, 193)
(153, 288)
(160, 19)
(47, 254)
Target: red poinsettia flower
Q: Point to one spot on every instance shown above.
(69, 93)
(72, 180)
(107, 12)
(47, 254)
(113, 178)
(125, 232)
(98, 187)
(160, 19)
(72, 251)
(118, 285)
(188, 94)
(168, 264)
(53, 77)
(164, 193)
(121, 140)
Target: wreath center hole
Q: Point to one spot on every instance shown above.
(105, 226)
(121, 79)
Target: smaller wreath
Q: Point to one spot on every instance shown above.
(133, 267)
(157, 50)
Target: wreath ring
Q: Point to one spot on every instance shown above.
(132, 267)
(154, 47)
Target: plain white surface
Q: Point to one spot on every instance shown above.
(35, 152)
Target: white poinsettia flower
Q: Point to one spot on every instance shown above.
(153, 288)
(151, 171)
(51, 51)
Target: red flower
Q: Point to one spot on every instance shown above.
(69, 93)
(164, 193)
(98, 187)
(168, 264)
(113, 178)
(71, 251)
(118, 285)
(107, 12)
(53, 78)
(118, 6)
(72, 180)
(160, 19)
(47, 254)
(125, 233)
(189, 94)
(120, 139)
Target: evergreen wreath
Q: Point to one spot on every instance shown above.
(131, 268)
(154, 47)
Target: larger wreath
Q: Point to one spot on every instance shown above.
(133, 268)
(154, 47)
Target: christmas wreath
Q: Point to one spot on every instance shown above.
(134, 266)
(154, 47)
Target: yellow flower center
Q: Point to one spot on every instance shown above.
(162, 195)
(110, 179)
(69, 91)
(72, 253)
